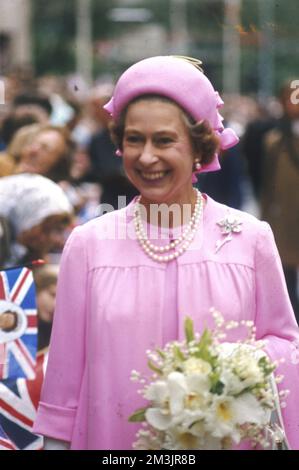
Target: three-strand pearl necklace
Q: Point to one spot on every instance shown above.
(175, 248)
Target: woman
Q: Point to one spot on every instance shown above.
(34, 216)
(44, 150)
(129, 278)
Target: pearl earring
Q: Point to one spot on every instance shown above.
(197, 164)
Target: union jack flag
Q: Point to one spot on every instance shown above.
(5, 442)
(18, 406)
(18, 347)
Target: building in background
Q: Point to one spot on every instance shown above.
(15, 34)
(246, 45)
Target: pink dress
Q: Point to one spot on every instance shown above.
(114, 303)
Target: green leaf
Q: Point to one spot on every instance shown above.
(266, 366)
(178, 353)
(138, 416)
(217, 387)
(203, 348)
(205, 340)
(161, 353)
(189, 329)
(154, 368)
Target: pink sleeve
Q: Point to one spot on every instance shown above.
(275, 321)
(60, 393)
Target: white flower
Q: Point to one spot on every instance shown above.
(157, 392)
(179, 440)
(195, 404)
(197, 376)
(177, 401)
(158, 419)
(219, 418)
(249, 371)
(240, 368)
(227, 412)
(177, 391)
(233, 385)
(195, 365)
(170, 396)
(246, 408)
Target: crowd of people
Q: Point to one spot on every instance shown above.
(61, 170)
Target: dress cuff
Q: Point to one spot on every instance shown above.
(54, 421)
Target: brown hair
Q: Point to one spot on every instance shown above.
(45, 276)
(204, 141)
(64, 219)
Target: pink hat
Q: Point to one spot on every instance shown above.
(182, 82)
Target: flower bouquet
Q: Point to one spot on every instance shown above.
(206, 394)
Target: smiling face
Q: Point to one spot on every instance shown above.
(8, 321)
(157, 152)
(41, 155)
